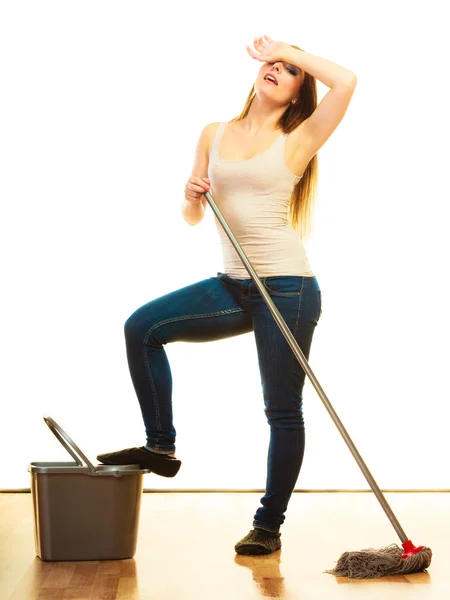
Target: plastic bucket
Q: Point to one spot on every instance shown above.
(82, 511)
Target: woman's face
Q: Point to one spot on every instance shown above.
(288, 78)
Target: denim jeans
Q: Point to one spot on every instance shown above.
(214, 309)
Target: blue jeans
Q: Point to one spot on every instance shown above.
(217, 308)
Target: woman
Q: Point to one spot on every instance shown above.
(257, 177)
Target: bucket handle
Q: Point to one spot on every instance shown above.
(69, 444)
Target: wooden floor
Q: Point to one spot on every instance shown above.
(186, 550)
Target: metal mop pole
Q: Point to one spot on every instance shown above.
(408, 546)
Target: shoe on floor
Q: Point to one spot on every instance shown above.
(161, 464)
(259, 541)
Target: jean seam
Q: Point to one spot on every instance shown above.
(173, 319)
(286, 294)
(299, 306)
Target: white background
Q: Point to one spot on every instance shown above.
(102, 104)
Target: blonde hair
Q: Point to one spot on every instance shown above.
(304, 192)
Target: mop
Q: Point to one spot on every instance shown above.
(370, 562)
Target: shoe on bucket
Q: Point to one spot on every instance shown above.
(259, 541)
(161, 464)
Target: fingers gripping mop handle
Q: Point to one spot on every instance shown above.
(408, 546)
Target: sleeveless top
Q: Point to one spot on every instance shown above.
(253, 197)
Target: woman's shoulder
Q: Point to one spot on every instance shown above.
(211, 128)
(210, 132)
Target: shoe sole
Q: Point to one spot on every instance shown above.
(250, 549)
(171, 473)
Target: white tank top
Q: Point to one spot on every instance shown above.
(253, 197)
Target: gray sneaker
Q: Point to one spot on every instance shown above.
(161, 464)
(259, 541)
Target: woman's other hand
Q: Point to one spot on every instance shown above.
(268, 50)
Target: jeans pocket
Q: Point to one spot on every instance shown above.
(283, 285)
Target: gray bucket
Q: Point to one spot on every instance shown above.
(82, 511)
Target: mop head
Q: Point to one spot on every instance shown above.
(372, 563)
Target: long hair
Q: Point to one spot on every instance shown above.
(304, 192)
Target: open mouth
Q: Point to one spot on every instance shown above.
(269, 79)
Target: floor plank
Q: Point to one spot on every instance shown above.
(186, 550)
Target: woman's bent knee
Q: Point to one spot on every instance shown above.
(135, 327)
(129, 329)
(138, 325)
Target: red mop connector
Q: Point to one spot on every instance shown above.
(410, 549)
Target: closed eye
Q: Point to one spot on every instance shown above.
(290, 69)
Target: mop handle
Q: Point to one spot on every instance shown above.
(303, 362)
